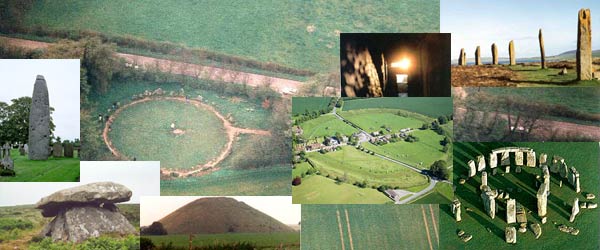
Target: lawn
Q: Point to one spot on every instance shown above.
(428, 106)
(149, 122)
(301, 105)
(325, 125)
(273, 180)
(358, 166)
(427, 150)
(582, 155)
(262, 240)
(263, 30)
(372, 120)
(316, 189)
(369, 227)
(52, 170)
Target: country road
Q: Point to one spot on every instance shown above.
(281, 85)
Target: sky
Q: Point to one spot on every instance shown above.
(278, 207)
(142, 177)
(481, 22)
(17, 78)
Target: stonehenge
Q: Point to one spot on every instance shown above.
(489, 200)
(477, 56)
(511, 211)
(456, 209)
(574, 210)
(511, 235)
(39, 121)
(472, 169)
(542, 54)
(542, 200)
(511, 52)
(584, 45)
(480, 163)
(536, 229)
(484, 181)
(573, 178)
(494, 54)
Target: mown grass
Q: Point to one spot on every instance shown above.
(325, 125)
(262, 30)
(584, 156)
(371, 227)
(316, 189)
(58, 169)
(260, 240)
(429, 106)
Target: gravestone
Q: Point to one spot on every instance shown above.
(68, 150)
(584, 45)
(511, 52)
(494, 54)
(39, 121)
(21, 150)
(542, 54)
(477, 56)
(57, 149)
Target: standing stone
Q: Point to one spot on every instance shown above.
(575, 210)
(542, 200)
(519, 158)
(477, 56)
(536, 229)
(69, 150)
(462, 61)
(542, 54)
(456, 209)
(7, 162)
(563, 170)
(546, 176)
(480, 163)
(494, 54)
(57, 149)
(511, 52)
(484, 181)
(493, 160)
(574, 179)
(39, 121)
(472, 169)
(543, 159)
(505, 158)
(531, 159)
(584, 45)
(507, 170)
(511, 235)
(511, 211)
(465, 58)
(488, 197)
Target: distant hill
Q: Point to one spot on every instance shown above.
(567, 55)
(214, 215)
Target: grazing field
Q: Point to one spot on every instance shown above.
(273, 180)
(260, 240)
(325, 125)
(316, 189)
(300, 169)
(372, 120)
(357, 166)
(419, 154)
(429, 106)
(370, 227)
(280, 32)
(143, 131)
(52, 170)
(584, 156)
(301, 105)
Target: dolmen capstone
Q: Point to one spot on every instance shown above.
(39, 121)
(85, 212)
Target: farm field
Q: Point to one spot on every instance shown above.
(311, 26)
(261, 240)
(429, 106)
(52, 170)
(584, 156)
(316, 189)
(325, 125)
(369, 227)
(300, 105)
(372, 120)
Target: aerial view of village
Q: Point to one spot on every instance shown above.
(534, 195)
(379, 150)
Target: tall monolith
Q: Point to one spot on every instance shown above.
(542, 54)
(494, 54)
(584, 45)
(511, 53)
(477, 56)
(462, 61)
(39, 121)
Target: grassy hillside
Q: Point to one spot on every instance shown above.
(52, 170)
(429, 106)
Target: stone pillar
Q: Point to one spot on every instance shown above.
(542, 200)
(546, 176)
(462, 61)
(584, 45)
(456, 209)
(465, 58)
(493, 160)
(511, 211)
(519, 158)
(574, 210)
(573, 178)
(511, 53)
(543, 159)
(480, 163)
(39, 121)
(494, 54)
(511, 235)
(484, 181)
(472, 169)
(531, 159)
(477, 56)
(542, 54)
(488, 197)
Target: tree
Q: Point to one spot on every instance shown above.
(297, 181)
(14, 120)
(442, 119)
(156, 228)
(440, 169)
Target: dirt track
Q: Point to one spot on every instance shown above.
(281, 85)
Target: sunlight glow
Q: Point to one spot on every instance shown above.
(402, 64)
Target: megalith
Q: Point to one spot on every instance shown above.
(511, 53)
(477, 56)
(39, 121)
(472, 168)
(511, 211)
(456, 209)
(480, 163)
(584, 45)
(542, 54)
(494, 54)
(462, 61)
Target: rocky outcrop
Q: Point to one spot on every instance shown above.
(39, 121)
(86, 211)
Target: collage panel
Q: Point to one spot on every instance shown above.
(39, 120)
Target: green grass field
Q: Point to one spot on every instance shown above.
(261, 240)
(441, 194)
(325, 125)
(358, 166)
(262, 30)
(262, 181)
(300, 168)
(300, 105)
(584, 156)
(534, 76)
(369, 227)
(429, 106)
(143, 131)
(51, 170)
(372, 120)
(316, 189)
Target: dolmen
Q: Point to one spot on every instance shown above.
(86, 211)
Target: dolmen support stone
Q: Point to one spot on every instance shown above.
(39, 121)
(86, 211)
